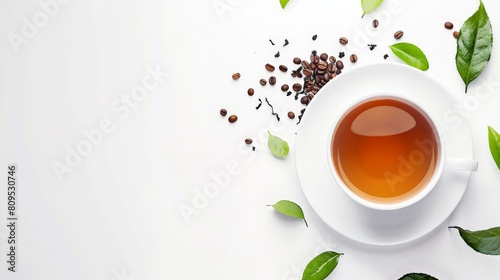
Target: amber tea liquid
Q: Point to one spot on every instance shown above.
(385, 150)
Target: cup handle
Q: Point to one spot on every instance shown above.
(461, 164)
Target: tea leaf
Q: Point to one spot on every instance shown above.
(278, 147)
(289, 208)
(369, 5)
(411, 55)
(482, 241)
(321, 266)
(474, 45)
(417, 276)
(283, 3)
(494, 141)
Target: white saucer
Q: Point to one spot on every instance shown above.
(329, 201)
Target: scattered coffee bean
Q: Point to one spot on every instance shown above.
(455, 34)
(338, 71)
(315, 37)
(343, 40)
(448, 25)
(332, 59)
(277, 54)
(398, 34)
(297, 60)
(236, 76)
(232, 118)
(283, 68)
(263, 82)
(305, 64)
(341, 54)
(286, 43)
(305, 100)
(250, 91)
(297, 87)
(339, 64)
(248, 141)
(269, 67)
(386, 56)
(223, 112)
(272, 80)
(354, 58)
(285, 88)
(375, 23)
(291, 115)
(323, 57)
(307, 72)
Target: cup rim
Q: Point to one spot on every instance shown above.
(400, 204)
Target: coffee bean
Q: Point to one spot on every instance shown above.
(263, 82)
(398, 34)
(323, 57)
(375, 23)
(307, 72)
(248, 141)
(305, 64)
(269, 67)
(283, 68)
(332, 59)
(250, 91)
(297, 60)
(322, 65)
(223, 112)
(343, 40)
(315, 37)
(354, 58)
(304, 100)
(285, 88)
(236, 76)
(455, 34)
(272, 80)
(232, 118)
(338, 71)
(291, 115)
(448, 25)
(297, 87)
(339, 64)
(331, 68)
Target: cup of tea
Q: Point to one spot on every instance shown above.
(386, 153)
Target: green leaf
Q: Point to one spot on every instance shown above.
(482, 241)
(474, 45)
(369, 5)
(494, 141)
(278, 147)
(417, 276)
(321, 266)
(289, 208)
(411, 55)
(283, 3)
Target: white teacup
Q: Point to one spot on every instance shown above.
(386, 153)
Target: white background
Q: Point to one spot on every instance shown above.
(116, 213)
